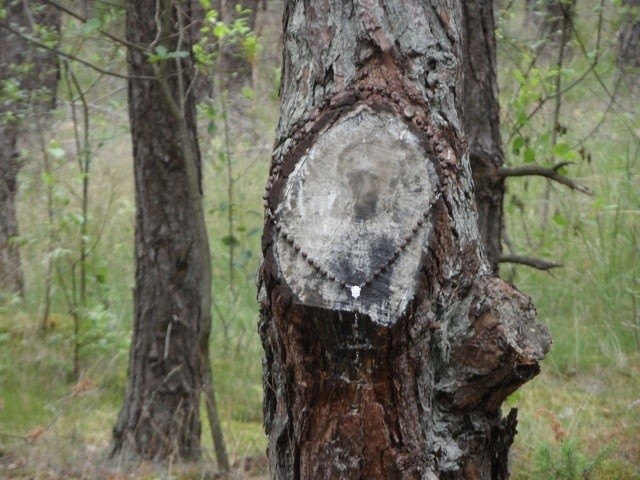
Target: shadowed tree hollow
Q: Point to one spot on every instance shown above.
(389, 346)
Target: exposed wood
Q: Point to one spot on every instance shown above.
(402, 376)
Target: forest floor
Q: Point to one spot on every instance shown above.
(52, 428)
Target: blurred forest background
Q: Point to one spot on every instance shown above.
(570, 101)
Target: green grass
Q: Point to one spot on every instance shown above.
(583, 407)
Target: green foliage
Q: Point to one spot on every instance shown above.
(567, 461)
(216, 34)
(161, 54)
(592, 305)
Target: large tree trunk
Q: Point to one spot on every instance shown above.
(35, 74)
(481, 114)
(389, 347)
(160, 416)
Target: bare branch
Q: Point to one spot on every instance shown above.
(77, 16)
(70, 56)
(533, 262)
(550, 173)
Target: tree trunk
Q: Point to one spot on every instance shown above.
(36, 87)
(389, 347)
(160, 416)
(629, 37)
(234, 70)
(11, 278)
(481, 114)
(556, 20)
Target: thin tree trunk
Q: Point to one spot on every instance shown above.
(234, 69)
(629, 37)
(481, 113)
(37, 87)
(556, 20)
(172, 299)
(11, 277)
(389, 347)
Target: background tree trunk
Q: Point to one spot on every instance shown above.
(554, 19)
(160, 416)
(34, 75)
(234, 70)
(629, 37)
(481, 114)
(389, 347)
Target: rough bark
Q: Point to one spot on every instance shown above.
(160, 416)
(481, 114)
(35, 73)
(389, 347)
(629, 37)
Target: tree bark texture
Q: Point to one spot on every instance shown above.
(35, 74)
(389, 347)
(481, 114)
(160, 416)
(629, 37)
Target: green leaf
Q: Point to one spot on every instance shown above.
(522, 117)
(564, 151)
(55, 150)
(519, 77)
(178, 54)
(221, 30)
(161, 50)
(529, 155)
(230, 241)
(48, 178)
(559, 219)
(561, 149)
(247, 92)
(518, 143)
(91, 25)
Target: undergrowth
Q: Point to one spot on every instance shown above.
(579, 419)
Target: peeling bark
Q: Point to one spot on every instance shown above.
(370, 372)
